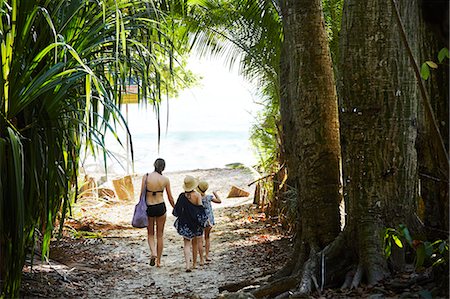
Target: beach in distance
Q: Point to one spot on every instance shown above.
(209, 142)
(180, 150)
(220, 179)
(194, 150)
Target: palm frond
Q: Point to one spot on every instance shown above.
(64, 67)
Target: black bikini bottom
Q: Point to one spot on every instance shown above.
(156, 210)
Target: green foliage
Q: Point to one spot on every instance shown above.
(434, 253)
(248, 32)
(85, 234)
(391, 236)
(425, 69)
(443, 53)
(431, 253)
(332, 11)
(427, 66)
(236, 166)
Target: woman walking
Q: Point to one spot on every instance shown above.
(191, 219)
(154, 184)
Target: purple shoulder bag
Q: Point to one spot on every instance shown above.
(140, 219)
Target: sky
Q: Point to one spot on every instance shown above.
(222, 103)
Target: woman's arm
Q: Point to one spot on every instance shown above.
(169, 193)
(177, 208)
(144, 179)
(216, 198)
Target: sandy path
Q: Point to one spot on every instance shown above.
(117, 265)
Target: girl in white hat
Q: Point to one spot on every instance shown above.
(191, 218)
(206, 201)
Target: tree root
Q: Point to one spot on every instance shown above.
(312, 274)
(276, 287)
(236, 286)
(348, 280)
(353, 278)
(358, 276)
(322, 268)
(292, 268)
(310, 270)
(313, 269)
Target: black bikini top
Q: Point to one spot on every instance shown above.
(153, 192)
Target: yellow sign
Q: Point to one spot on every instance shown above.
(130, 96)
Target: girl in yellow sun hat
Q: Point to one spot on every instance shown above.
(206, 201)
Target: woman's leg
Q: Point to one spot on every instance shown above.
(207, 242)
(187, 253)
(199, 249)
(194, 252)
(151, 235)
(160, 222)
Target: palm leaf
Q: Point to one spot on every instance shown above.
(57, 97)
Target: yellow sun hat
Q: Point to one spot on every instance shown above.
(190, 183)
(203, 186)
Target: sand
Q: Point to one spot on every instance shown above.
(115, 264)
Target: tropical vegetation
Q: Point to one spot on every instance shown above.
(64, 67)
(352, 143)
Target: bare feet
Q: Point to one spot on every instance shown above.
(152, 260)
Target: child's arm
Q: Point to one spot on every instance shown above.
(216, 198)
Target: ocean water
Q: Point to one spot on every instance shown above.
(193, 150)
(186, 150)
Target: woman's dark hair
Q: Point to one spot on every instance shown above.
(159, 164)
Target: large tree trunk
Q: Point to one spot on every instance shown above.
(433, 173)
(379, 124)
(311, 129)
(379, 127)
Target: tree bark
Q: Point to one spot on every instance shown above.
(432, 174)
(310, 126)
(310, 122)
(379, 108)
(379, 125)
